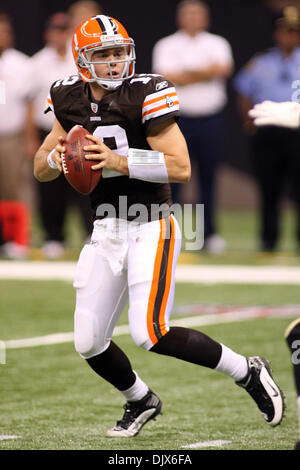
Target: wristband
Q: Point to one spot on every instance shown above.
(147, 165)
(51, 163)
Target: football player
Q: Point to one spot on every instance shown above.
(285, 114)
(135, 140)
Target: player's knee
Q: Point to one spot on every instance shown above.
(140, 336)
(141, 339)
(88, 341)
(138, 325)
(144, 334)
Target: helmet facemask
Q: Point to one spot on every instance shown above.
(85, 61)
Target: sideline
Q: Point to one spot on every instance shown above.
(202, 274)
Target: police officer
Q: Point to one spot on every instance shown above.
(273, 75)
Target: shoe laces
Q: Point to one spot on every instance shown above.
(132, 411)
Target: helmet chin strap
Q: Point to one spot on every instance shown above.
(111, 84)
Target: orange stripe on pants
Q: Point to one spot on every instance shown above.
(156, 279)
(162, 323)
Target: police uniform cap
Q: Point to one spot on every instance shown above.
(290, 19)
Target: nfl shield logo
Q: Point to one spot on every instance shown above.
(94, 107)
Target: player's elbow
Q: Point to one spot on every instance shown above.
(40, 174)
(37, 173)
(180, 169)
(185, 173)
(185, 177)
(182, 175)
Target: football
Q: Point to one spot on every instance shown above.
(76, 168)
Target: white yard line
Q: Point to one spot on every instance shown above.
(43, 270)
(4, 437)
(238, 274)
(192, 321)
(56, 338)
(205, 274)
(200, 445)
(37, 270)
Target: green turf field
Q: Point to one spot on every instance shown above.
(50, 398)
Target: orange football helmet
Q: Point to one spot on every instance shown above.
(98, 33)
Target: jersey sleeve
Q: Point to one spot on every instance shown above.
(48, 104)
(160, 103)
(61, 99)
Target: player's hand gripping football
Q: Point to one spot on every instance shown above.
(60, 148)
(108, 158)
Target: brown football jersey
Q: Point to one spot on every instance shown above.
(122, 120)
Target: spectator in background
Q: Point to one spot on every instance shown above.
(198, 63)
(81, 10)
(14, 211)
(275, 151)
(55, 61)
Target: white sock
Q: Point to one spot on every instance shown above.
(137, 391)
(232, 364)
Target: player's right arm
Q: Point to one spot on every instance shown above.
(52, 143)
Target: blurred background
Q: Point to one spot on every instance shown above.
(247, 25)
(251, 271)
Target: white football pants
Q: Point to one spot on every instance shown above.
(125, 261)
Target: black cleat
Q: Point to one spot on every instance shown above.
(137, 414)
(260, 385)
(297, 446)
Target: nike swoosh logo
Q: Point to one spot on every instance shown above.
(275, 394)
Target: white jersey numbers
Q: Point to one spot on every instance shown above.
(67, 81)
(144, 78)
(116, 139)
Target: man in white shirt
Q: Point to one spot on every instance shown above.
(53, 62)
(198, 63)
(14, 211)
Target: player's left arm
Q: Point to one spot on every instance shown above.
(167, 138)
